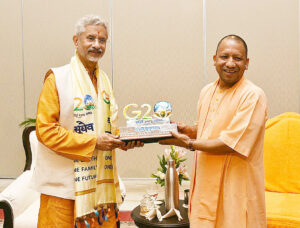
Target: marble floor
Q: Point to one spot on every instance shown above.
(135, 189)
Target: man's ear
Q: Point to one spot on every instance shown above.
(215, 58)
(75, 40)
(247, 63)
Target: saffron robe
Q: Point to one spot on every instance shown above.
(227, 189)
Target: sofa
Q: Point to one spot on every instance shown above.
(19, 201)
(282, 171)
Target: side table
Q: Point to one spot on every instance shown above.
(142, 222)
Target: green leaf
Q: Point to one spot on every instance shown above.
(160, 159)
(164, 170)
(173, 148)
(28, 122)
(164, 159)
(161, 164)
(161, 182)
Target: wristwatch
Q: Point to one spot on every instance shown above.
(190, 145)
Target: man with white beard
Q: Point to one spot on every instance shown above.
(76, 127)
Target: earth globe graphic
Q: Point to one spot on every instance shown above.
(162, 109)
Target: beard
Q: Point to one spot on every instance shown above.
(93, 59)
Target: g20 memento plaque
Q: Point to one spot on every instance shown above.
(146, 128)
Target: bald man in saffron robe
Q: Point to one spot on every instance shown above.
(227, 185)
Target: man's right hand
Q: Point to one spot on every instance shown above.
(190, 131)
(179, 139)
(107, 142)
(181, 127)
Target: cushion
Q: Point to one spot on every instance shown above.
(282, 153)
(29, 218)
(283, 210)
(19, 194)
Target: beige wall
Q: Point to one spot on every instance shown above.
(271, 30)
(11, 89)
(157, 55)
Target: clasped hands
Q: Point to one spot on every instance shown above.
(107, 142)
